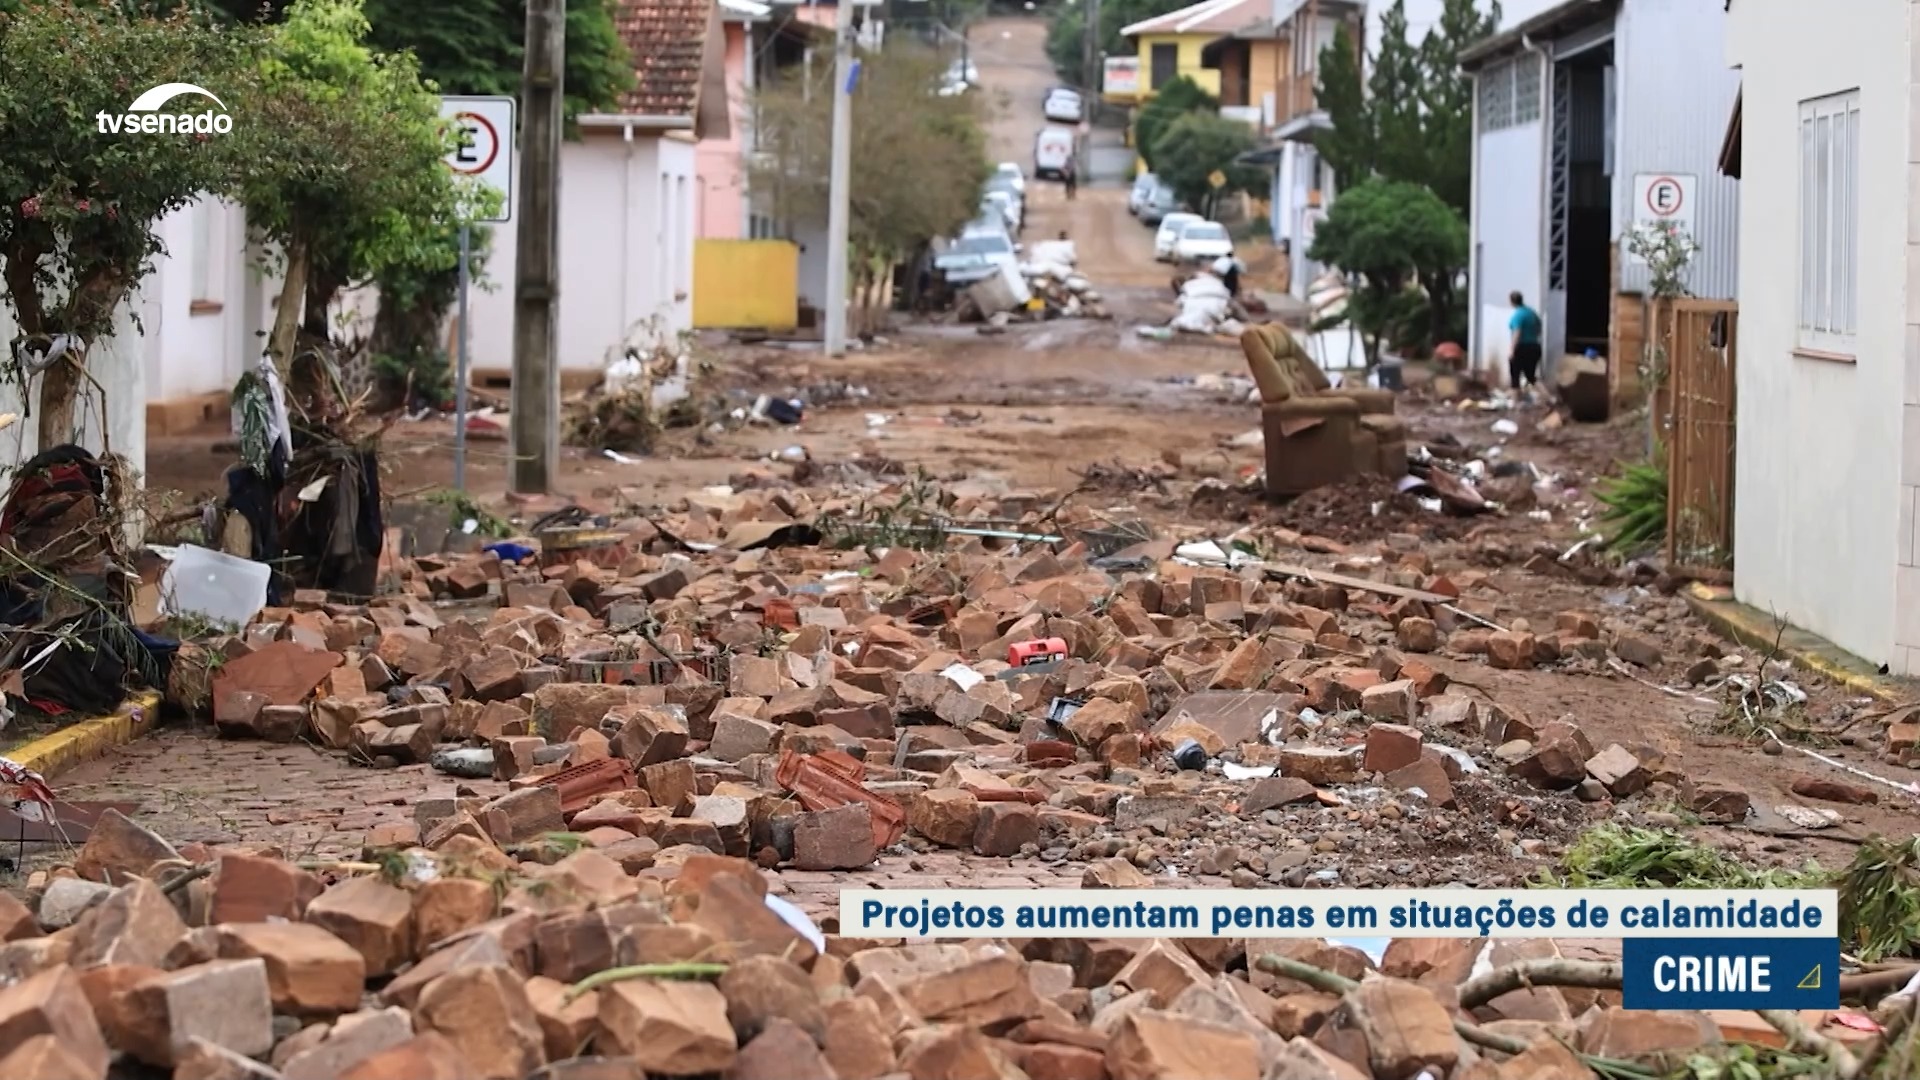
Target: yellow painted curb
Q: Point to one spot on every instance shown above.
(53, 754)
(1756, 630)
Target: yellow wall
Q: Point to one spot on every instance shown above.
(1188, 61)
(746, 284)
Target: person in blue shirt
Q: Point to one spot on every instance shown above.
(1523, 361)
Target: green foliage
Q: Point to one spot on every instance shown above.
(1176, 99)
(1411, 117)
(78, 207)
(1880, 899)
(1196, 145)
(1065, 33)
(1636, 506)
(343, 148)
(1395, 237)
(922, 157)
(465, 508)
(1625, 857)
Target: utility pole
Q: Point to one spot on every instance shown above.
(1093, 83)
(535, 419)
(839, 179)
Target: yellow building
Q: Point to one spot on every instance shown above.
(1171, 45)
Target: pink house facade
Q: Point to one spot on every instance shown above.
(720, 164)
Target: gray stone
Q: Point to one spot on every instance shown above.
(66, 899)
(471, 763)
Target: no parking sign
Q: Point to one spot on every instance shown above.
(1664, 199)
(486, 144)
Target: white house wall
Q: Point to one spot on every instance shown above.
(1671, 117)
(626, 256)
(203, 351)
(1822, 520)
(1509, 185)
(118, 363)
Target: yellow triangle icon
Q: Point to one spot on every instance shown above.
(1812, 980)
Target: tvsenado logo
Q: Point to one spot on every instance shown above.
(144, 118)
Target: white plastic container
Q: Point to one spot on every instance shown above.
(214, 585)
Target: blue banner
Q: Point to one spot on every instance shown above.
(1731, 973)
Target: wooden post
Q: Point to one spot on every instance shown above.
(535, 419)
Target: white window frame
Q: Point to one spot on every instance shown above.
(1827, 284)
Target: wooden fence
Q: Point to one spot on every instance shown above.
(1694, 413)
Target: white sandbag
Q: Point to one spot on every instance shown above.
(1204, 286)
(1055, 251)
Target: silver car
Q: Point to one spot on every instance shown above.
(1143, 186)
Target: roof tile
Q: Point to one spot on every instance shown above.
(667, 39)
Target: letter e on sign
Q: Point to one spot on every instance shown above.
(1665, 197)
(484, 128)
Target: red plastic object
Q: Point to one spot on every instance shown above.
(1050, 753)
(582, 785)
(1037, 651)
(824, 781)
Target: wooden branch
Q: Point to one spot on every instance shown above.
(1553, 971)
(1800, 1036)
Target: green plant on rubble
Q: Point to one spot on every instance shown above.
(1880, 899)
(1636, 506)
(1745, 1061)
(1627, 857)
(463, 505)
(912, 520)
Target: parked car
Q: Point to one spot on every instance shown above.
(1158, 204)
(1169, 233)
(1011, 172)
(1052, 150)
(1007, 186)
(976, 255)
(999, 202)
(1143, 186)
(1202, 241)
(1062, 105)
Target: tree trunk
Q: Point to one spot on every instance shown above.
(60, 399)
(287, 319)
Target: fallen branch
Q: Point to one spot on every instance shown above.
(192, 875)
(1869, 986)
(1526, 974)
(1801, 1037)
(683, 970)
(1330, 983)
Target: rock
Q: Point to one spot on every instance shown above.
(1114, 874)
(858, 1045)
(444, 907)
(135, 926)
(840, 838)
(1004, 828)
(484, 1012)
(254, 888)
(1510, 649)
(1617, 1033)
(736, 737)
(351, 1040)
(225, 1003)
(198, 1059)
(1390, 747)
(1164, 970)
(310, 972)
(649, 736)
(1812, 787)
(1304, 1059)
(670, 1028)
(67, 899)
(1417, 635)
(16, 919)
(118, 849)
(955, 1053)
(781, 1052)
(424, 1057)
(520, 816)
(1148, 1044)
(567, 1026)
(978, 993)
(1427, 776)
(763, 990)
(1590, 790)
(472, 763)
(1552, 766)
(1719, 805)
(371, 916)
(1100, 719)
(1276, 791)
(946, 816)
(1397, 700)
(1320, 765)
(1619, 771)
(1637, 650)
(52, 1004)
(1406, 1028)
(44, 1057)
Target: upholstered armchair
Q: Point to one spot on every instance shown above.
(1317, 433)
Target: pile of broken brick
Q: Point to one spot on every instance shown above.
(810, 707)
(467, 964)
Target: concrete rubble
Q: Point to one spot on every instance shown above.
(682, 716)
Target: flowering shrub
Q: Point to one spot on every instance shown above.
(1666, 249)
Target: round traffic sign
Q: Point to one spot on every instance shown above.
(1665, 196)
(479, 148)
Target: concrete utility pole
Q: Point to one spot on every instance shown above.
(839, 180)
(1090, 73)
(535, 420)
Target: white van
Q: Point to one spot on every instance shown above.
(1052, 150)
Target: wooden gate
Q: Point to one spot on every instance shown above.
(1701, 347)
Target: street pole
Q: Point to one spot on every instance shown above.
(839, 180)
(460, 369)
(1094, 80)
(535, 419)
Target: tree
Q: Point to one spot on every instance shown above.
(1448, 98)
(921, 157)
(1349, 149)
(1179, 96)
(1197, 145)
(344, 170)
(1398, 240)
(1068, 29)
(1395, 89)
(78, 206)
